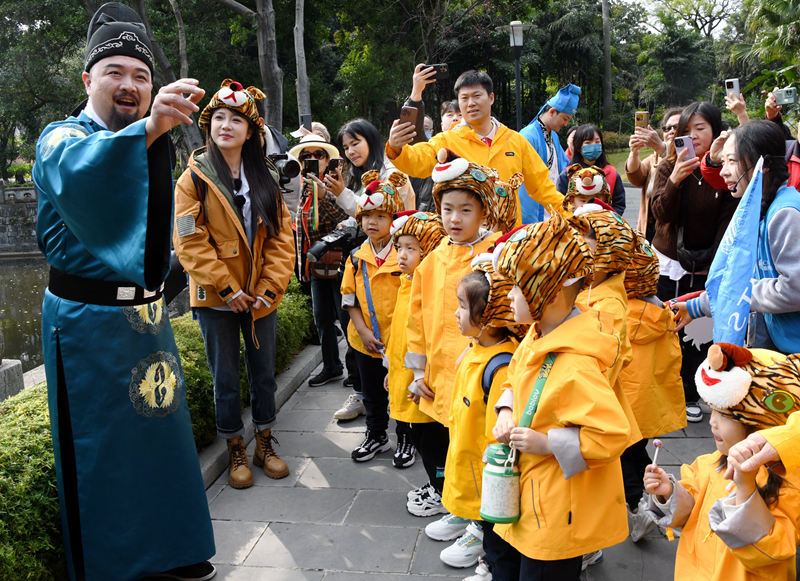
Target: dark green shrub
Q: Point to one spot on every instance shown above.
(613, 141)
(30, 536)
(294, 318)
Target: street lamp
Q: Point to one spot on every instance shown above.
(515, 32)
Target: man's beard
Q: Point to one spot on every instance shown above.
(118, 120)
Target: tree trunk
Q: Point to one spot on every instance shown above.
(176, 10)
(271, 73)
(191, 134)
(302, 85)
(607, 96)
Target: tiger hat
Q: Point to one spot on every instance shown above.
(426, 227)
(616, 240)
(497, 197)
(641, 277)
(757, 387)
(540, 258)
(232, 95)
(379, 194)
(585, 181)
(497, 312)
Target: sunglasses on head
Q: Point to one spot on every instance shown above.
(318, 154)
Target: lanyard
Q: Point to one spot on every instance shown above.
(533, 401)
(376, 331)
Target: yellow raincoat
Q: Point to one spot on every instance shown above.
(702, 554)
(562, 518)
(401, 408)
(609, 297)
(509, 153)
(384, 282)
(471, 423)
(434, 341)
(652, 382)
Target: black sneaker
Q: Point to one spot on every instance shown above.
(405, 453)
(348, 382)
(373, 444)
(324, 377)
(197, 572)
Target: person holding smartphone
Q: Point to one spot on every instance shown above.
(641, 173)
(313, 222)
(690, 219)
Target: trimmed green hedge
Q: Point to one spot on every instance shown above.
(30, 537)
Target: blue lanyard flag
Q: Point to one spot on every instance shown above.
(729, 284)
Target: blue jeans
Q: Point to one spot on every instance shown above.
(326, 301)
(220, 331)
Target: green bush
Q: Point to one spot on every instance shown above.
(30, 537)
(294, 320)
(613, 141)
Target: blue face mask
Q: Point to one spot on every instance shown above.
(591, 151)
(429, 134)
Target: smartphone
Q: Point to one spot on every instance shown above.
(409, 115)
(305, 121)
(334, 166)
(732, 87)
(787, 96)
(642, 119)
(684, 142)
(311, 166)
(442, 70)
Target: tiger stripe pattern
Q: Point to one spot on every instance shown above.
(426, 227)
(540, 257)
(616, 240)
(641, 277)
(497, 312)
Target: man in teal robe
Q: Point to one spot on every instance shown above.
(131, 492)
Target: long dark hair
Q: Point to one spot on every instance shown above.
(583, 133)
(369, 133)
(761, 137)
(772, 487)
(265, 194)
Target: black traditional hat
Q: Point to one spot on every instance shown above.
(116, 29)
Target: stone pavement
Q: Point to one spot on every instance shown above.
(335, 520)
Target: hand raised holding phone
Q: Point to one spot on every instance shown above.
(685, 159)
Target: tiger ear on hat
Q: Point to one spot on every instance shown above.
(516, 180)
(580, 223)
(370, 176)
(255, 93)
(225, 83)
(571, 170)
(397, 179)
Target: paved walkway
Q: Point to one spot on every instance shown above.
(335, 520)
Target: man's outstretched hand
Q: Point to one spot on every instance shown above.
(172, 106)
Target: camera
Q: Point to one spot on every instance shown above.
(344, 238)
(787, 96)
(288, 168)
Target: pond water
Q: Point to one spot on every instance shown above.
(22, 284)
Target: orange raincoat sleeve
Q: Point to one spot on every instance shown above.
(277, 265)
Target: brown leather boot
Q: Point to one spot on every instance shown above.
(239, 475)
(265, 456)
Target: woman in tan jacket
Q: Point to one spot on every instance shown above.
(641, 173)
(233, 236)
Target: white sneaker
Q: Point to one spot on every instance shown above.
(429, 504)
(466, 551)
(447, 528)
(482, 572)
(592, 558)
(352, 408)
(417, 492)
(639, 522)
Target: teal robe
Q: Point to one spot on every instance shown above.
(131, 492)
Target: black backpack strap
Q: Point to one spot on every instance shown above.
(497, 362)
(353, 258)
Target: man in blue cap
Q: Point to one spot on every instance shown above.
(542, 133)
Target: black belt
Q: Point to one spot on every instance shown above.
(99, 292)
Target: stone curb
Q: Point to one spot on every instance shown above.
(214, 458)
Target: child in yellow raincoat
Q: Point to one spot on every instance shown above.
(748, 532)
(369, 292)
(484, 315)
(415, 235)
(467, 197)
(652, 382)
(572, 500)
